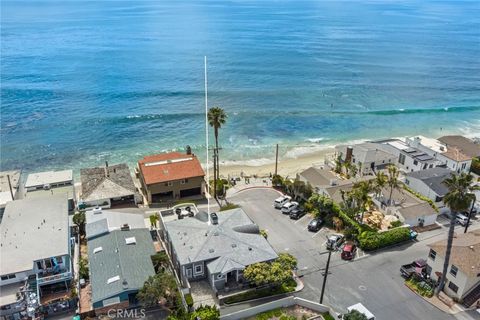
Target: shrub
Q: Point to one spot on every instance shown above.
(375, 240)
(355, 315)
(396, 224)
(83, 270)
(327, 316)
(229, 206)
(206, 313)
(189, 300)
(421, 197)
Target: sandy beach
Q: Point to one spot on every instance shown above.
(286, 166)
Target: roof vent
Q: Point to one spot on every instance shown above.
(125, 284)
(211, 250)
(250, 249)
(97, 250)
(234, 245)
(130, 240)
(46, 186)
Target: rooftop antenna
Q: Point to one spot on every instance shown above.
(206, 136)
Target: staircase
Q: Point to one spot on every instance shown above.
(472, 296)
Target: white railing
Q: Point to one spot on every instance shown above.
(56, 277)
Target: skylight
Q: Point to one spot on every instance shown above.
(130, 240)
(113, 279)
(97, 250)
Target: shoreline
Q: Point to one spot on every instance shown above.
(286, 166)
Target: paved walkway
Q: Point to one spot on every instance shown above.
(202, 294)
(248, 184)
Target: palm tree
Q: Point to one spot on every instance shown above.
(459, 198)
(392, 180)
(380, 182)
(216, 118)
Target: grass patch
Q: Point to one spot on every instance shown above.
(288, 286)
(229, 206)
(269, 314)
(327, 316)
(421, 287)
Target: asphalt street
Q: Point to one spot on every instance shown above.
(372, 279)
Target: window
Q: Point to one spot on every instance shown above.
(198, 269)
(168, 184)
(464, 165)
(407, 182)
(453, 270)
(415, 162)
(48, 263)
(59, 260)
(39, 265)
(431, 165)
(9, 276)
(452, 286)
(401, 158)
(432, 254)
(183, 181)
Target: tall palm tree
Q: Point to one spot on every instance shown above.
(216, 118)
(392, 180)
(459, 198)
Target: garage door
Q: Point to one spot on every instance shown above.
(159, 197)
(190, 192)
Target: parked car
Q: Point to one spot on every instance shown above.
(315, 224)
(289, 206)
(279, 202)
(461, 219)
(334, 241)
(297, 213)
(349, 250)
(416, 267)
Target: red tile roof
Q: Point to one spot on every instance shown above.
(169, 167)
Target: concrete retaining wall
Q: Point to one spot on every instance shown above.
(281, 303)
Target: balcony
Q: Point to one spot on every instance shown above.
(51, 277)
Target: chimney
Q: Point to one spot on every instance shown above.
(125, 227)
(188, 150)
(106, 169)
(348, 156)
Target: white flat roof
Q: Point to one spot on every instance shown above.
(400, 145)
(48, 177)
(8, 293)
(433, 144)
(33, 229)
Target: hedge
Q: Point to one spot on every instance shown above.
(421, 197)
(375, 240)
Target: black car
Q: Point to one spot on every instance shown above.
(297, 213)
(315, 225)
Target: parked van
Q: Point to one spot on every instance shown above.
(361, 308)
(279, 202)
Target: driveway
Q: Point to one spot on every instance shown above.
(372, 279)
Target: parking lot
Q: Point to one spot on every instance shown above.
(372, 279)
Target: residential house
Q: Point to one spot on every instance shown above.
(465, 145)
(406, 207)
(429, 183)
(367, 157)
(36, 251)
(452, 157)
(49, 183)
(8, 189)
(107, 186)
(120, 263)
(100, 222)
(169, 176)
(463, 277)
(215, 249)
(318, 178)
(408, 159)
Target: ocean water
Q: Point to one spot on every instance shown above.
(87, 81)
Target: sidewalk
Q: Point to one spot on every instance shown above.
(248, 184)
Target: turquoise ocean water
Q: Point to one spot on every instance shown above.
(87, 81)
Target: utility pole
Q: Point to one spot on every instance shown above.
(325, 276)
(469, 215)
(10, 186)
(215, 173)
(276, 160)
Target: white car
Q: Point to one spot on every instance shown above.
(279, 202)
(461, 219)
(289, 206)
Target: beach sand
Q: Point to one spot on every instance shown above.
(286, 166)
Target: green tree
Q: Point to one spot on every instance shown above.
(379, 183)
(458, 198)
(338, 164)
(216, 118)
(354, 315)
(276, 272)
(205, 313)
(158, 287)
(79, 220)
(83, 269)
(160, 261)
(286, 260)
(277, 180)
(154, 219)
(392, 180)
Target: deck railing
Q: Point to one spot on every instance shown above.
(53, 278)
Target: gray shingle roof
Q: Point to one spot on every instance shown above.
(465, 145)
(131, 263)
(433, 178)
(33, 229)
(104, 183)
(195, 240)
(318, 177)
(108, 220)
